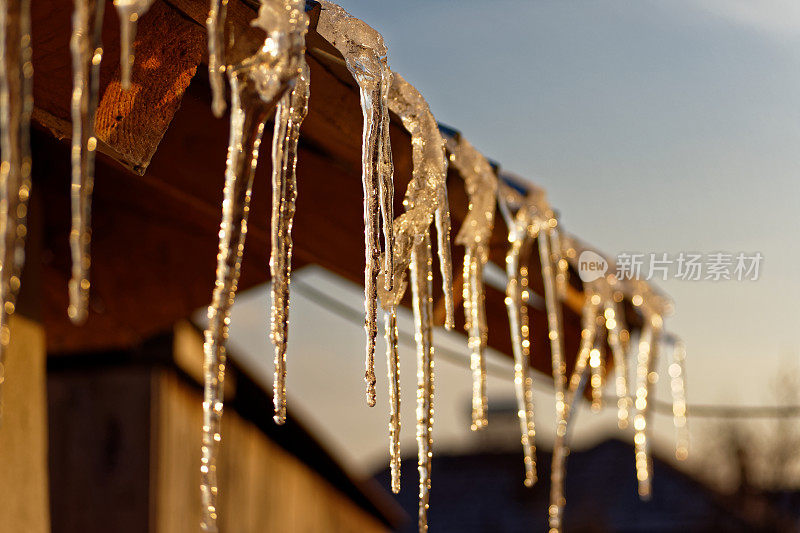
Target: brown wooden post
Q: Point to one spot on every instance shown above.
(23, 436)
(23, 429)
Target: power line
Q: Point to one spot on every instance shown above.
(661, 407)
(735, 411)
(356, 315)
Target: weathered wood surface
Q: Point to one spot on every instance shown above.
(155, 235)
(99, 442)
(119, 427)
(23, 437)
(130, 124)
(24, 504)
(262, 486)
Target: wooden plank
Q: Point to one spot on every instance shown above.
(176, 477)
(262, 486)
(24, 504)
(120, 423)
(23, 436)
(99, 437)
(130, 124)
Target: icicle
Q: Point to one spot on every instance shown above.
(445, 263)
(560, 448)
(393, 364)
(474, 235)
(257, 84)
(129, 12)
(442, 221)
(289, 116)
(677, 371)
(553, 306)
(544, 224)
(561, 263)
(371, 155)
(481, 334)
(245, 137)
(523, 228)
(390, 299)
(517, 271)
(364, 53)
(477, 333)
(87, 52)
(609, 288)
(645, 377)
(425, 196)
(215, 25)
(421, 275)
(614, 326)
(386, 186)
(16, 104)
(605, 294)
(597, 359)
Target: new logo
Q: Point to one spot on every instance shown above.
(591, 266)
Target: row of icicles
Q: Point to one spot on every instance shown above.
(274, 83)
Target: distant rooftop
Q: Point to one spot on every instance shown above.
(484, 492)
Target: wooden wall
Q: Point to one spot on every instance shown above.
(125, 432)
(262, 487)
(23, 432)
(99, 425)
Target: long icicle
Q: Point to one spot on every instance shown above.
(614, 326)
(472, 274)
(365, 55)
(247, 119)
(426, 196)
(129, 11)
(479, 303)
(425, 199)
(677, 374)
(386, 185)
(611, 291)
(481, 186)
(215, 25)
(561, 264)
(442, 223)
(371, 154)
(467, 274)
(646, 361)
(597, 363)
(546, 226)
(16, 104)
(87, 52)
(257, 84)
(289, 116)
(393, 364)
(523, 227)
(517, 271)
(421, 275)
(390, 300)
(560, 448)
